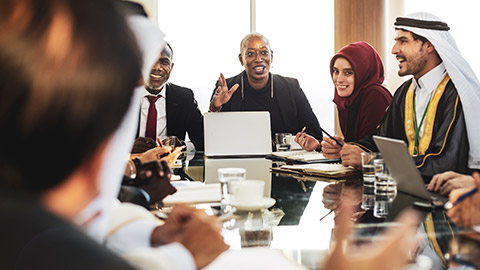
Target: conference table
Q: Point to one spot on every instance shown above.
(301, 221)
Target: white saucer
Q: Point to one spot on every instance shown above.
(264, 203)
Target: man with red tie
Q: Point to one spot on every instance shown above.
(168, 109)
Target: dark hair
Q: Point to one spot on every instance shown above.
(67, 73)
(415, 36)
(171, 50)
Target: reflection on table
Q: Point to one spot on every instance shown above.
(300, 223)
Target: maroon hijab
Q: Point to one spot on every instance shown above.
(368, 71)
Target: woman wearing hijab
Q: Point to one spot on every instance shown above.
(361, 99)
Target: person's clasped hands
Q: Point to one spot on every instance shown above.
(195, 230)
(154, 178)
(349, 153)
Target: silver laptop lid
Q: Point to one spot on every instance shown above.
(402, 167)
(237, 134)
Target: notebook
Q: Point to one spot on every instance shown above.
(336, 171)
(237, 134)
(302, 156)
(403, 168)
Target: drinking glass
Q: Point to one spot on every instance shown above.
(382, 179)
(228, 178)
(368, 196)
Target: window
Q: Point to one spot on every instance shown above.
(206, 35)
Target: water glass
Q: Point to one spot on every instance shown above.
(228, 178)
(283, 141)
(382, 180)
(171, 141)
(368, 196)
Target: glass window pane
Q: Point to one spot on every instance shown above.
(301, 34)
(205, 37)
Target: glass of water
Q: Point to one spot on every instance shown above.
(228, 178)
(382, 197)
(368, 196)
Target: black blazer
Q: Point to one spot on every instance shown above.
(296, 111)
(183, 115)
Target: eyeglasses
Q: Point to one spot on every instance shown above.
(253, 54)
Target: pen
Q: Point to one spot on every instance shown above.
(331, 137)
(449, 204)
(159, 142)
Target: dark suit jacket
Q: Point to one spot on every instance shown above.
(183, 115)
(33, 238)
(296, 111)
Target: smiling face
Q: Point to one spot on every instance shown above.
(343, 77)
(256, 57)
(160, 72)
(410, 53)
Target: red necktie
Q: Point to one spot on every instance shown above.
(151, 131)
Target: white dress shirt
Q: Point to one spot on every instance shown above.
(130, 230)
(425, 86)
(161, 106)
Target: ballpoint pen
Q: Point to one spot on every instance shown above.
(448, 205)
(331, 137)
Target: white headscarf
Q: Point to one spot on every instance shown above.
(462, 75)
(150, 41)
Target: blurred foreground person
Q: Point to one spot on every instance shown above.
(58, 68)
(393, 250)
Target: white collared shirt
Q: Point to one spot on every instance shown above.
(425, 86)
(161, 106)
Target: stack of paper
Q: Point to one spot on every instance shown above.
(320, 169)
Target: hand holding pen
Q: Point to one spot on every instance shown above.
(306, 141)
(464, 205)
(333, 138)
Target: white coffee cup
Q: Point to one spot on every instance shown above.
(249, 192)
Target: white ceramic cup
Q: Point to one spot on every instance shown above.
(249, 192)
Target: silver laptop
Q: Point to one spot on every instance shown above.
(403, 168)
(237, 134)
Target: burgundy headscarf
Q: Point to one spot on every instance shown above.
(368, 71)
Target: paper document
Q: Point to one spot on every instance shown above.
(194, 192)
(300, 155)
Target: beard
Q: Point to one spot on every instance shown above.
(415, 64)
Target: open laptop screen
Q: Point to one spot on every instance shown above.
(235, 134)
